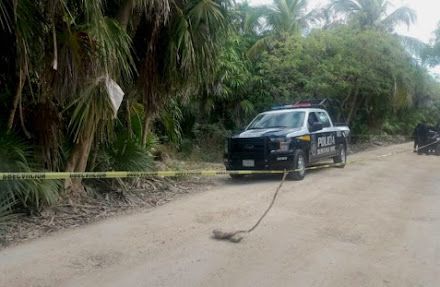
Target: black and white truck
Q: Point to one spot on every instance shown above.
(290, 137)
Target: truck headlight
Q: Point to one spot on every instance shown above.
(280, 145)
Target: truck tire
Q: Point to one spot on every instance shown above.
(236, 176)
(421, 151)
(299, 165)
(437, 149)
(341, 158)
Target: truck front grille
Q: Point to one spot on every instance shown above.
(248, 146)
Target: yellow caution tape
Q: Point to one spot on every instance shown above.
(123, 174)
(135, 174)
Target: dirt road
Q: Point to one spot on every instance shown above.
(375, 223)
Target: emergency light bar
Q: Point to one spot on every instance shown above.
(300, 105)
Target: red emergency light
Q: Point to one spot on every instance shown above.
(300, 105)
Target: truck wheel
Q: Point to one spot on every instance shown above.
(299, 165)
(422, 150)
(341, 158)
(437, 150)
(236, 176)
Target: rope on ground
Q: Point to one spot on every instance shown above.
(237, 236)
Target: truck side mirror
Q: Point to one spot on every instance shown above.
(316, 126)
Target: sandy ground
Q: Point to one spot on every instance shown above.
(374, 223)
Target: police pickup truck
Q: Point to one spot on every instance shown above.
(290, 137)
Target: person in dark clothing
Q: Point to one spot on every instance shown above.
(420, 135)
(437, 127)
(415, 137)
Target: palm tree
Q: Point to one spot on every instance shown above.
(283, 18)
(432, 53)
(374, 13)
(65, 52)
(328, 18)
(180, 56)
(248, 19)
(288, 16)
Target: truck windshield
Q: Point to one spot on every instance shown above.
(292, 120)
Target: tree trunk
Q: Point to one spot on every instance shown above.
(94, 156)
(353, 106)
(77, 161)
(344, 102)
(146, 130)
(21, 81)
(20, 112)
(123, 18)
(129, 126)
(124, 13)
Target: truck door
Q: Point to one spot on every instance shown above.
(326, 143)
(314, 155)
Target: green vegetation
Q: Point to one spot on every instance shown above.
(432, 54)
(192, 71)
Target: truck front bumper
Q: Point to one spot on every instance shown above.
(279, 161)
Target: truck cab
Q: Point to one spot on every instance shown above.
(290, 137)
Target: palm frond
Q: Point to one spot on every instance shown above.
(310, 18)
(431, 55)
(288, 16)
(93, 106)
(207, 12)
(196, 30)
(154, 6)
(251, 18)
(14, 157)
(181, 54)
(5, 215)
(41, 193)
(414, 46)
(260, 46)
(346, 6)
(402, 15)
(123, 154)
(92, 46)
(171, 118)
(247, 107)
(327, 18)
(5, 15)
(374, 13)
(113, 48)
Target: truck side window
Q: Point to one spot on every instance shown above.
(312, 119)
(323, 118)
